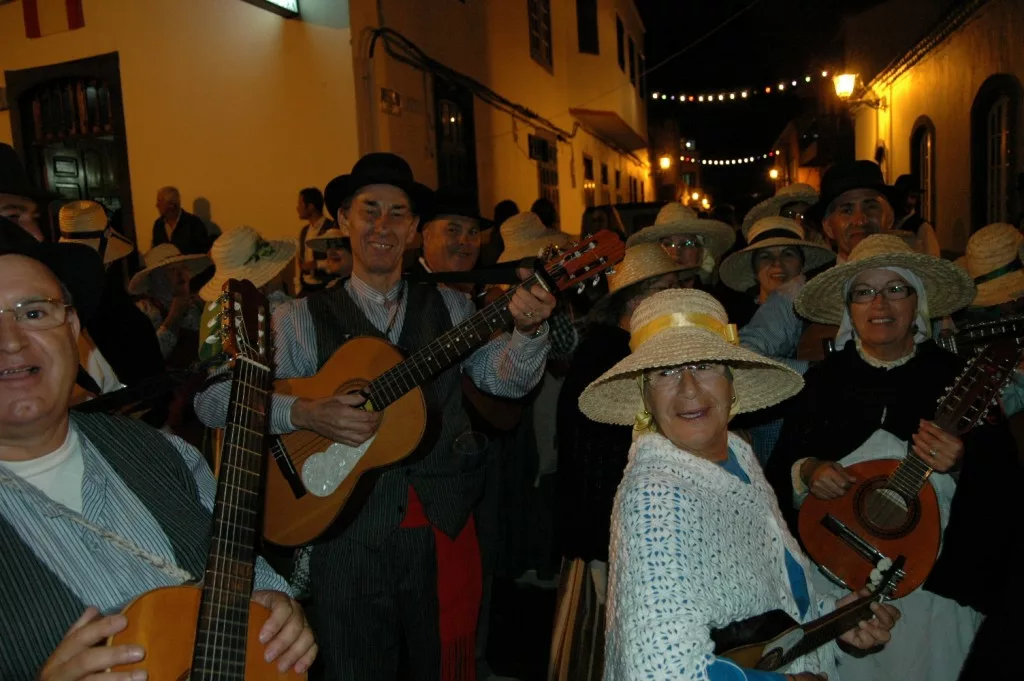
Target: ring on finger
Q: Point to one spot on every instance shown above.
(528, 313)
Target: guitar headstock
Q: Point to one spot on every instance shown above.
(578, 263)
(978, 386)
(245, 322)
(890, 579)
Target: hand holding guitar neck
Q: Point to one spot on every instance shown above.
(338, 417)
(937, 448)
(872, 632)
(530, 305)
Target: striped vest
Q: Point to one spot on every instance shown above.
(448, 491)
(36, 608)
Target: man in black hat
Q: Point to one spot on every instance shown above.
(405, 573)
(451, 235)
(94, 509)
(906, 202)
(19, 200)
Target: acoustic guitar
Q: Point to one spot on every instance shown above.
(776, 640)
(314, 478)
(210, 632)
(892, 509)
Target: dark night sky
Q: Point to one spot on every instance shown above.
(775, 39)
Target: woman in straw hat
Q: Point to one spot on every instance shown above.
(792, 201)
(873, 399)
(525, 236)
(777, 253)
(337, 249)
(591, 458)
(162, 292)
(697, 539)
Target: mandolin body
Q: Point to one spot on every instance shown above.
(915, 535)
(163, 622)
(292, 521)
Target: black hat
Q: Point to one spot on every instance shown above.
(77, 266)
(13, 178)
(454, 202)
(377, 168)
(841, 178)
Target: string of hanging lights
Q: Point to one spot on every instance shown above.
(742, 160)
(739, 95)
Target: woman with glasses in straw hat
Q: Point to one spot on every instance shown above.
(873, 399)
(591, 458)
(697, 538)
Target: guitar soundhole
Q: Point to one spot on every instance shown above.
(885, 511)
(353, 385)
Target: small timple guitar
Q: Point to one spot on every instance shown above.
(210, 632)
(892, 509)
(313, 478)
(777, 640)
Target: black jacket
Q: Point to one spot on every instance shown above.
(190, 236)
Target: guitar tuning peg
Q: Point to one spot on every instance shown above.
(260, 317)
(596, 280)
(611, 270)
(581, 287)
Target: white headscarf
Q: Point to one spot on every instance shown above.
(924, 329)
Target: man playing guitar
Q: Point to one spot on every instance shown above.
(406, 569)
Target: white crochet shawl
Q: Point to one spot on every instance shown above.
(693, 548)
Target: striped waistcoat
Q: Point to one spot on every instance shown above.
(36, 608)
(446, 487)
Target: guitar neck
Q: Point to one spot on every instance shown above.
(222, 630)
(443, 352)
(830, 627)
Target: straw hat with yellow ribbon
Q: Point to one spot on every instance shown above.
(241, 253)
(737, 271)
(642, 261)
(947, 287)
(85, 222)
(684, 326)
(675, 218)
(525, 236)
(993, 261)
(791, 193)
(160, 257)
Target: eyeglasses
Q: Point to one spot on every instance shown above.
(890, 292)
(682, 242)
(705, 373)
(39, 315)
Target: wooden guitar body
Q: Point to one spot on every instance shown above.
(291, 520)
(880, 517)
(163, 622)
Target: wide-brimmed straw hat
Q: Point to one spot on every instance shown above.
(241, 253)
(948, 287)
(332, 238)
(674, 218)
(737, 271)
(85, 222)
(641, 262)
(162, 256)
(525, 236)
(993, 262)
(770, 207)
(683, 326)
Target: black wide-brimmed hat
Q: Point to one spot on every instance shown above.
(377, 168)
(13, 178)
(452, 202)
(77, 266)
(843, 177)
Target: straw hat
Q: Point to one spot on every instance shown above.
(993, 261)
(737, 271)
(241, 253)
(85, 222)
(162, 256)
(682, 326)
(674, 218)
(947, 286)
(642, 261)
(791, 193)
(328, 239)
(525, 236)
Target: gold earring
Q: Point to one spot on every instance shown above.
(644, 419)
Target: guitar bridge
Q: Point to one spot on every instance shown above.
(861, 546)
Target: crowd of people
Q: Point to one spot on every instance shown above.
(644, 445)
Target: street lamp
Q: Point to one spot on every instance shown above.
(845, 84)
(705, 203)
(665, 162)
(695, 196)
(773, 173)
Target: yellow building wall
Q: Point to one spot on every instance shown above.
(489, 41)
(943, 87)
(222, 99)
